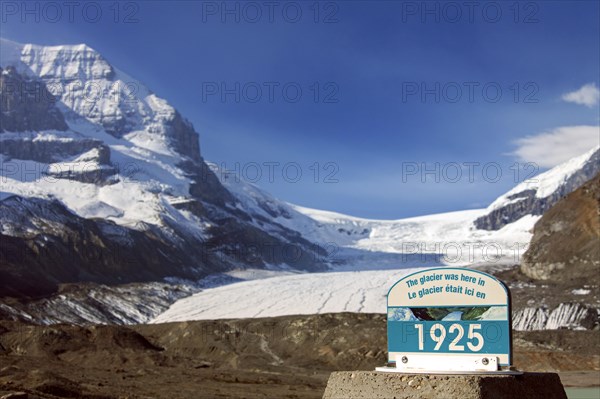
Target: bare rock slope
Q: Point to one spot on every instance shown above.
(566, 241)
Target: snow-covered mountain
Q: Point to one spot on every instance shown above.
(373, 254)
(444, 239)
(536, 195)
(104, 182)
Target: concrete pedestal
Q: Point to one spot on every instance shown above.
(373, 384)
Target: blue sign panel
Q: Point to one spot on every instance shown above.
(449, 311)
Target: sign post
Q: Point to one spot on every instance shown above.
(449, 320)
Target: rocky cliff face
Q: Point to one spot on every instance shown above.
(561, 268)
(27, 147)
(27, 105)
(28, 108)
(573, 316)
(566, 240)
(541, 194)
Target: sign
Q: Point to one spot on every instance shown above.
(449, 319)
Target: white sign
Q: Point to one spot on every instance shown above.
(449, 318)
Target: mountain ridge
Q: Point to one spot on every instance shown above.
(125, 174)
(537, 195)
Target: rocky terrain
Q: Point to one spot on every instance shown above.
(566, 241)
(557, 283)
(283, 357)
(548, 305)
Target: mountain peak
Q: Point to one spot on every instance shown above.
(91, 90)
(12, 53)
(68, 62)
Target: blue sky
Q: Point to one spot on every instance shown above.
(373, 61)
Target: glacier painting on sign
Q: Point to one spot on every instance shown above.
(449, 311)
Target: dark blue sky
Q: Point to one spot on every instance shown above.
(363, 117)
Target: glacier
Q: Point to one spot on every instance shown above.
(118, 160)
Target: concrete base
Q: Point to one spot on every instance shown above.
(373, 384)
